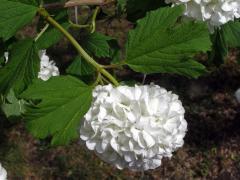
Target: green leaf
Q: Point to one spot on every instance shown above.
(116, 53)
(22, 68)
(219, 48)
(2, 58)
(97, 44)
(13, 16)
(30, 2)
(13, 107)
(231, 33)
(64, 100)
(80, 67)
(160, 45)
(51, 37)
(224, 38)
(121, 5)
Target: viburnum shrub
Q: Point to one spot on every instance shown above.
(129, 126)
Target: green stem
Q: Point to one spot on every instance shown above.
(78, 25)
(42, 32)
(80, 50)
(94, 19)
(97, 79)
(105, 80)
(114, 66)
(101, 81)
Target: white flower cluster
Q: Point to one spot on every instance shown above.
(47, 68)
(134, 127)
(215, 12)
(3, 173)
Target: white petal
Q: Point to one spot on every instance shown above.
(91, 144)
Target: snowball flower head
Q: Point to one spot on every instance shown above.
(134, 127)
(3, 173)
(47, 67)
(214, 12)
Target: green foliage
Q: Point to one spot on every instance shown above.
(121, 5)
(2, 58)
(12, 106)
(219, 49)
(22, 68)
(160, 45)
(14, 15)
(231, 33)
(223, 39)
(30, 2)
(51, 37)
(64, 101)
(115, 52)
(97, 44)
(80, 67)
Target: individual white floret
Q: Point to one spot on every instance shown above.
(48, 67)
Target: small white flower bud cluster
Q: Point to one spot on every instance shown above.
(47, 67)
(3, 173)
(214, 12)
(134, 127)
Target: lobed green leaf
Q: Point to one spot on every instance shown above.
(97, 44)
(231, 33)
(80, 67)
(14, 14)
(22, 68)
(64, 100)
(13, 107)
(160, 45)
(51, 37)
